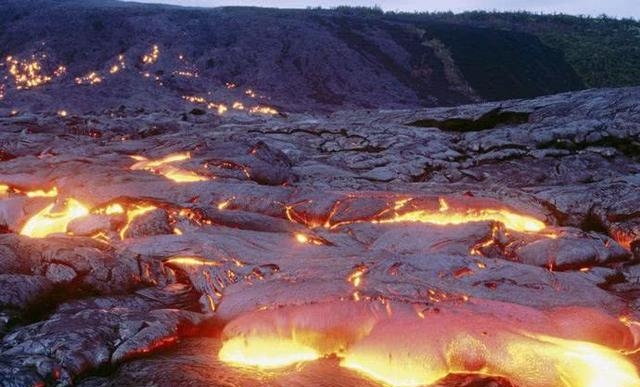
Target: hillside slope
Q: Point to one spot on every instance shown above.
(91, 54)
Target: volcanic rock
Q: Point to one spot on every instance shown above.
(399, 213)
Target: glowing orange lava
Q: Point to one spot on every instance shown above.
(152, 56)
(52, 193)
(52, 220)
(191, 261)
(28, 74)
(266, 352)
(92, 78)
(401, 349)
(165, 168)
(447, 215)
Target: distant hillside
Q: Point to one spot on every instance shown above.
(604, 52)
(91, 54)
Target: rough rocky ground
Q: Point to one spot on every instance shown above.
(295, 223)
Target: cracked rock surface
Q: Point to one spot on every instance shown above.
(263, 214)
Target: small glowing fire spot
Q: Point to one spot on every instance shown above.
(165, 168)
(224, 205)
(230, 85)
(265, 352)
(52, 193)
(191, 261)
(302, 238)
(585, 269)
(51, 220)
(152, 56)
(186, 73)
(355, 278)
(238, 105)
(626, 320)
(90, 79)
(218, 107)
(443, 205)
(62, 113)
(114, 69)
(263, 110)
(177, 231)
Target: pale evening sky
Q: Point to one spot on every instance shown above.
(617, 8)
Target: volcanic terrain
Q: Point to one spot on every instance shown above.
(155, 233)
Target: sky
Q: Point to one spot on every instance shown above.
(615, 8)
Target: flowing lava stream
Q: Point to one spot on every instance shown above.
(562, 347)
(54, 219)
(444, 213)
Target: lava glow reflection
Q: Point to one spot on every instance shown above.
(53, 220)
(266, 352)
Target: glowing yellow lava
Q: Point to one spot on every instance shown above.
(446, 216)
(191, 261)
(92, 78)
(265, 352)
(165, 168)
(151, 57)
(536, 361)
(576, 363)
(52, 193)
(225, 204)
(263, 110)
(401, 349)
(301, 238)
(28, 74)
(50, 221)
(113, 209)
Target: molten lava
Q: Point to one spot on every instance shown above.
(266, 352)
(190, 261)
(52, 193)
(570, 347)
(447, 214)
(52, 220)
(164, 167)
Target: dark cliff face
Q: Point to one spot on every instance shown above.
(295, 59)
